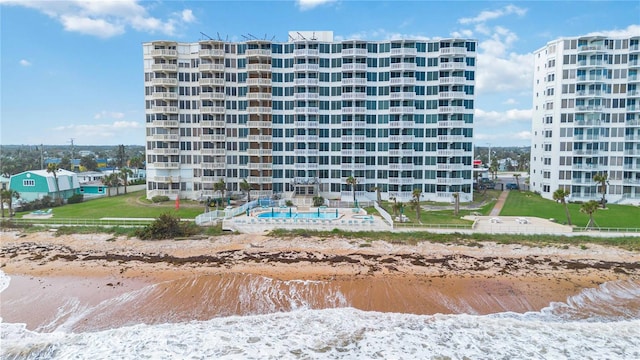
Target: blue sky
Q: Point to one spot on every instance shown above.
(73, 69)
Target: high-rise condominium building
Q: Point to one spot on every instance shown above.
(586, 118)
(302, 117)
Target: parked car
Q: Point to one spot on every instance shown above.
(513, 186)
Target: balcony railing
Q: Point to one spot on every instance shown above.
(211, 82)
(258, 52)
(164, 53)
(164, 67)
(212, 96)
(305, 52)
(211, 53)
(453, 51)
(211, 67)
(258, 82)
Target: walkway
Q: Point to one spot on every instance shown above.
(500, 203)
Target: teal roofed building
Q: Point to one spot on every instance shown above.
(36, 184)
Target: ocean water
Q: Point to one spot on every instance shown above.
(599, 323)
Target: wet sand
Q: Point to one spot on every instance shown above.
(90, 282)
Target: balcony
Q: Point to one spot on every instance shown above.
(212, 96)
(401, 181)
(305, 82)
(452, 167)
(259, 124)
(401, 124)
(586, 137)
(312, 138)
(164, 53)
(453, 80)
(167, 179)
(164, 109)
(211, 82)
(587, 167)
(165, 151)
(354, 52)
(452, 66)
(211, 67)
(405, 167)
(452, 95)
(165, 137)
(166, 165)
(306, 110)
(306, 124)
(453, 124)
(306, 96)
(452, 109)
(259, 138)
(590, 48)
(354, 96)
(164, 95)
(404, 51)
(164, 67)
(259, 96)
(450, 181)
(258, 110)
(452, 152)
(260, 166)
(586, 152)
(402, 81)
(258, 82)
(259, 179)
(259, 152)
(258, 67)
(306, 52)
(354, 81)
(211, 53)
(589, 108)
(354, 110)
(306, 67)
(213, 137)
(213, 165)
(212, 151)
(401, 152)
(165, 123)
(632, 137)
(587, 122)
(402, 109)
(258, 52)
(403, 66)
(164, 81)
(212, 123)
(402, 95)
(632, 152)
(452, 138)
(453, 51)
(401, 138)
(354, 67)
(212, 110)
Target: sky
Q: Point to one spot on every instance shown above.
(74, 69)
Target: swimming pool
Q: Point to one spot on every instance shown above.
(301, 215)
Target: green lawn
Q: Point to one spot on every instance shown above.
(523, 203)
(131, 205)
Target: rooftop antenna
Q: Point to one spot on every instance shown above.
(273, 38)
(219, 38)
(209, 37)
(303, 38)
(313, 36)
(255, 38)
(72, 150)
(246, 38)
(291, 38)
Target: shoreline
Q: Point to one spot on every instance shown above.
(181, 276)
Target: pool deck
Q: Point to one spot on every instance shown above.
(348, 219)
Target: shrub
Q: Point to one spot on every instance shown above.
(159, 199)
(166, 226)
(318, 201)
(289, 203)
(75, 199)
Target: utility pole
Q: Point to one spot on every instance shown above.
(72, 149)
(489, 153)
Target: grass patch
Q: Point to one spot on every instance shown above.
(524, 203)
(472, 240)
(131, 205)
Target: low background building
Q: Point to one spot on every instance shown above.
(36, 184)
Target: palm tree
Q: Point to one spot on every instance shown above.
(560, 195)
(602, 180)
(136, 162)
(456, 203)
(7, 197)
(221, 187)
(590, 207)
(397, 207)
(415, 202)
(353, 181)
(246, 187)
(124, 175)
(53, 169)
(517, 177)
(109, 181)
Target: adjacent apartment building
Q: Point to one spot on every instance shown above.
(586, 118)
(301, 117)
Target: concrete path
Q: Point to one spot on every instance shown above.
(500, 203)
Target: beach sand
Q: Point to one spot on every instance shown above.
(97, 281)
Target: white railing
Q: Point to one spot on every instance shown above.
(385, 215)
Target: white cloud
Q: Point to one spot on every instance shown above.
(513, 72)
(187, 16)
(494, 14)
(523, 135)
(25, 62)
(379, 34)
(510, 101)
(99, 133)
(631, 30)
(501, 118)
(108, 115)
(310, 4)
(106, 18)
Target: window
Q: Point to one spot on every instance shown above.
(28, 182)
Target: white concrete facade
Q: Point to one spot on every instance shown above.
(586, 118)
(396, 115)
